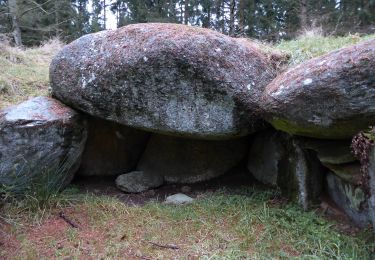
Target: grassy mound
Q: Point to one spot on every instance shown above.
(309, 46)
(24, 72)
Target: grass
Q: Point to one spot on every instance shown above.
(222, 225)
(313, 45)
(24, 72)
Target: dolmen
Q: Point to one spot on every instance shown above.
(157, 103)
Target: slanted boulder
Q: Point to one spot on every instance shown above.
(41, 140)
(350, 198)
(111, 149)
(278, 159)
(165, 78)
(371, 172)
(182, 160)
(331, 96)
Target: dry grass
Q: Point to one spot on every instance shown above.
(24, 72)
(244, 223)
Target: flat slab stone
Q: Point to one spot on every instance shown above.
(178, 199)
(165, 78)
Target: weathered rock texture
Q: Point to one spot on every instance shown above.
(330, 151)
(40, 139)
(350, 198)
(371, 172)
(182, 160)
(138, 181)
(111, 148)
(166, 78)
(349, 172)
(331, 96)
(278, 159)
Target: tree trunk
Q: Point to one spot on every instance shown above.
(13, 10)
(57, 18)
(105, 14)
(186, 12)
(241, 17)
(303, 14)
(232, 10)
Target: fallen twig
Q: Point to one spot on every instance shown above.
(169, 246)
(67, 220)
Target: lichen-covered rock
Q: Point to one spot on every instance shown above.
(279, 160)
(331, 96)
(111, 148)
(138, 181)
(40, 140)
(182, 160)
(166, 78)
(349, 198)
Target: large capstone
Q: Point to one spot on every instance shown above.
(182, 160)
(166, 78)
(41, 142)
(279, 160)
(331, 96)
(111, 148)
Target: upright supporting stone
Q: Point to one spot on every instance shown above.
(41, 142)
(350, 198)
(280, 160)
(111, 148)
(371, 172)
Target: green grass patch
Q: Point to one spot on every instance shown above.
(310, 46)
(220, 225)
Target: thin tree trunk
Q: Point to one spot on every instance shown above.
(303, 14)
(241, 17)
(186, 12)
(232, 9)
(105, 14)
(13, 10)
(57, 18)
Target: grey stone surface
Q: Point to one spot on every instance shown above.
(111, 148)
(327, 97)
(138, 181)
(279, 160)
(166, 78)
(182, 160)
(349, 172)
(349, 198)
(178, 199)
(40, 139)
(330, 151)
